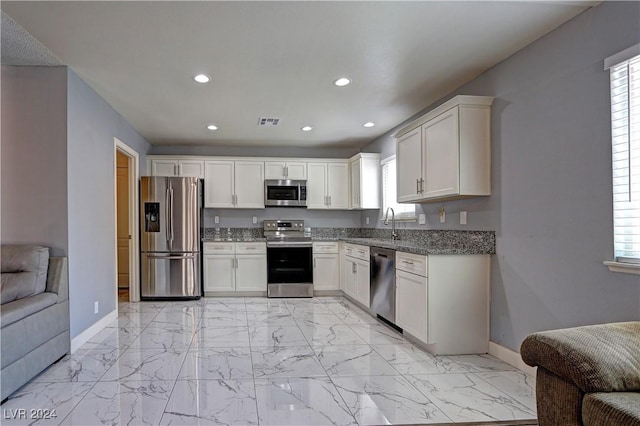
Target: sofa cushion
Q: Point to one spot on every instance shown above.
(611, 409)
(597, 358)
(24, 271)
(18, 309)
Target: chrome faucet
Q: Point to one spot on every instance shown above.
(394, 235)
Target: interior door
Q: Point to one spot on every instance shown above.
(122, 211)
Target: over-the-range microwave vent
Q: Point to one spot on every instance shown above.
(268, 121)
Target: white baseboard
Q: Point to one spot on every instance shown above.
(86, 335)
(510, 357)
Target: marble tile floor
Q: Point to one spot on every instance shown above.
(258, 361)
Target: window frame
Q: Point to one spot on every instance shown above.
(400, 215)
(623, 151)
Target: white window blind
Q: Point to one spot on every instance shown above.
(625, 135)
(389, 198)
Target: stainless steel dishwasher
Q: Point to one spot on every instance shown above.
(383, 283)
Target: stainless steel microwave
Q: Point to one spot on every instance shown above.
(285, 193)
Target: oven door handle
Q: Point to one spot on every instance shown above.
(289, 244)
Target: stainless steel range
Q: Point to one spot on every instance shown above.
(289, 259)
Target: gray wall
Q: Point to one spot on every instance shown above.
(92, 126)
(230, 218)
(551, 202)
(34, 156)
(254, 151)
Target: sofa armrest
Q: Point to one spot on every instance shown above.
(58, 278)
(597, 358)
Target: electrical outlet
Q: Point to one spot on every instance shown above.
(255, 220)
(96, 307)
(216, 219)
(463, 217)
(422, 219)
(366, 219)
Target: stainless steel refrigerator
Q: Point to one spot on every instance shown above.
(170, 237)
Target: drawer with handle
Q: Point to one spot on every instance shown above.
(357, 251)
(218, 248)
(413, 263)
(325, 247)
(251, 248)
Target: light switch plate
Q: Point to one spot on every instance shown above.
(255, 220)
(366, 219)
(422, 219)
(216, 219)
(463, 218)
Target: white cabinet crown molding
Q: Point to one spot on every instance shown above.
(466, 100)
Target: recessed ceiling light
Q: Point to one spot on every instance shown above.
(307, 128)
(369, 124)
(212, 127)
(342, 81)
(202, 78)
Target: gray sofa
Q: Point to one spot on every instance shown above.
(587, 375)
(34, 313)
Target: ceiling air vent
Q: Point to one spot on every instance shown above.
(268, 121)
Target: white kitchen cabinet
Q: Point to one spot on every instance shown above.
(446, 154)
(251, 272)
(234, 267)
(285, 170)
(326, 265)
(328, 185)
(177, 167)
(365, 181)
(219, 273)
(350, 277)
(249, 184)
(443, 301)
(356, 274)
(409, 166)
(234, 184)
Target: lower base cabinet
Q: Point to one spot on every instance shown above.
(234, 267)
(326, 266)
(356, 275)
(443, 301)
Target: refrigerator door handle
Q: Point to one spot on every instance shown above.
(172, 257)
(167, 221)
(171, 209)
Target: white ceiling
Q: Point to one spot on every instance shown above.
(279, 59)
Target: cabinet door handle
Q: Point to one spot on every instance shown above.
(407, 262)
(421, 186)
(354, 268)
(176, 171)
(329, 199)
(417, 186)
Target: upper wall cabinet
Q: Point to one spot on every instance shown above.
(285, 170)
(176, 167)
(234, 184)
(446, 154)
(365, 181)
(328, 185)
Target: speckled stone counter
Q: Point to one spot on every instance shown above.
(416, 241)
(466, 245)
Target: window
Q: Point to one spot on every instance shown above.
(389, 198)
(625, 140)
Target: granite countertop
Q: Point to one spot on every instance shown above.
(449, 247)
(431, 242)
